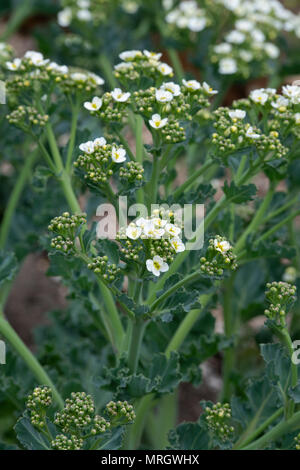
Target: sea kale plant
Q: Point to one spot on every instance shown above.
(165, 213)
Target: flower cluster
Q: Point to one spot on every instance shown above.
(251, 44)
(27, 118)
(187, 16)
(137, 64)
(111, 107)
(33, 70)
(67, 227)
(84, 11)
(219, 256)
(158, 237)
(218, 418)
(77, 413)
(37, 402)
(62, 442)
(281, 296)
(101, 265)
(132, 172)
(120, 411)
(99, 159)
(297, 442)
(6, 53)
(235, 133)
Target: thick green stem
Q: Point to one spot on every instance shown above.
(229, 329)
(208, 164)
(139, 150)
(135, 343)
(74, 121)
(244, 441)
(135, 431)
(9, 333)
(65, 182)
(176, 63)
(276, 432)
(186, 325)
(15, 196)
(107, 71)
(192, 277)
(257, 219)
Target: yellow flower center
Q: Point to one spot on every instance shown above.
(156, 265)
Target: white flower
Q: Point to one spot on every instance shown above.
(157, 265)
(14, 65)
(79, 77)
(83, 3)
(292, 92)
(171, 87)
(177, 244)
(99, 142)
(118, 95)
(64, 17)
(157, 122)
(141, 222)
(165, 69)
(236, 37)
(196, 24)
(244, 25)
(172, 230)
(93, 105)
(258, 36)
(227, 66)
(163, 96)
(297, 118)
(84, 15)
(36, 58)
(98, 80)
(272, 50)
(252, 134)
(158, 222)
(58, 68)
(87, 147)
(259, 96)
(222, 246)
(247, 56)
(118, 155)
(130, 55)
(191, 84)
(281, 102)
(152, 55)
(208, 89)
(133, 232)
(237, 114)
(123, 66)
(223, 48)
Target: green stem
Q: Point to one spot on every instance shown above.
(176, 63)
(67, 188)
(137, 333)
(135, 431)
(186, 325)
(107, 71)
(229, 329)
(164, 421)
(284, 427)
(74, 121)
(153, 184)
(244, 442)
(15, 196)
(139, 150)
(208, 164)
(257, 219)
(190, 278)
(9, 333)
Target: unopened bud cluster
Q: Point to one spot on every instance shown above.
(99, 161)
(101, 265)
(297, 442)
(281, 296)
(132, 171)
(77, 413)
(27, 117)
(67, 225)
(218, 420)
(219, 256)
(120, 411)
(37, 402)
(62, 442)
